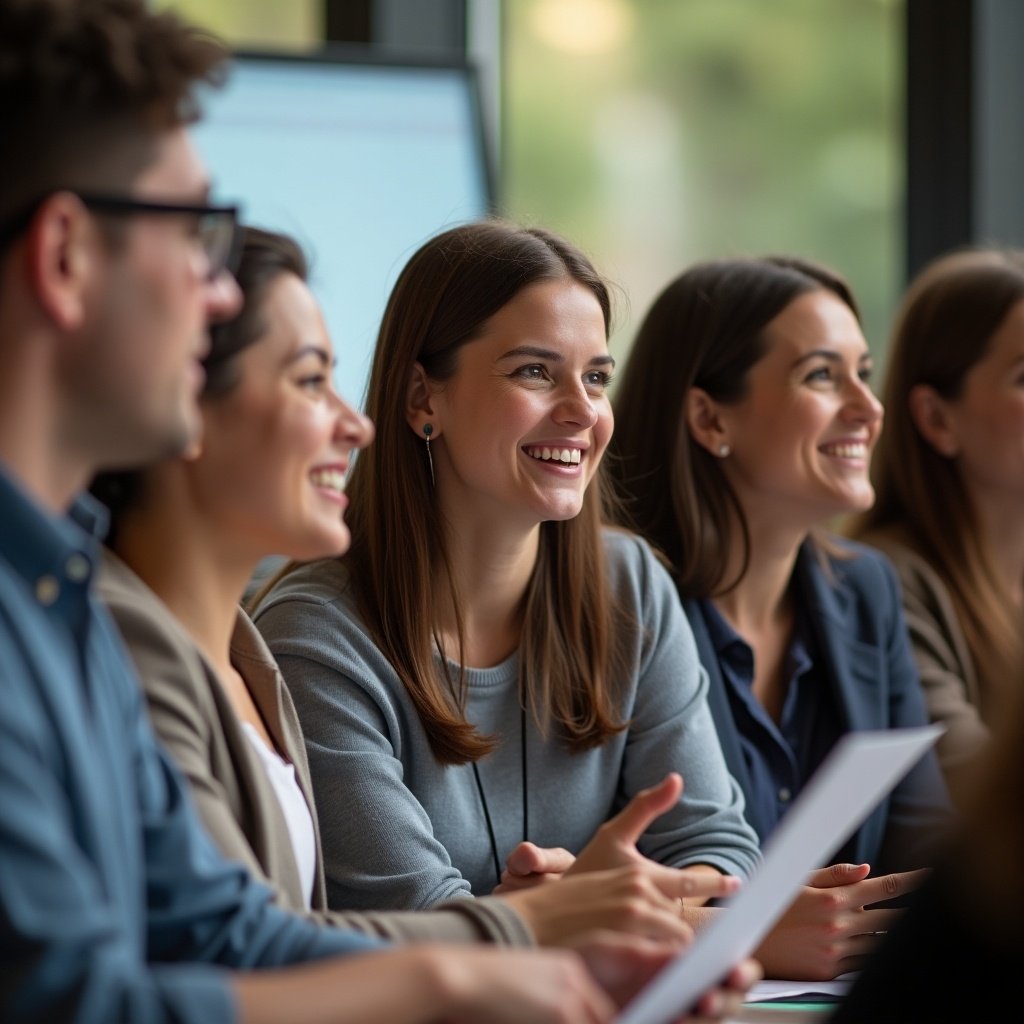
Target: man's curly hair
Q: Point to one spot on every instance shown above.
(85, 88)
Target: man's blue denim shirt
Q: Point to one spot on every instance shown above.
(114, 904)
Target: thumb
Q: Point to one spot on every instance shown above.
(838, 874)
(633, 820)
(530, 859)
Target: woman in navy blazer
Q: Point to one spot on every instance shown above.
(744, 421)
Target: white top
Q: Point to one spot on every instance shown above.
(293, 807)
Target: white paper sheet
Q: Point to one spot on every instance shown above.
(859, 770)
(797, 991)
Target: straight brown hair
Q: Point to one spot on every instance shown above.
(943, 328)
(399, 553)
(706, 330)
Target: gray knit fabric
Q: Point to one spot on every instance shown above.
(400, 830)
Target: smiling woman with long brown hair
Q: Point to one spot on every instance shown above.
(490, 671)
(745, 422)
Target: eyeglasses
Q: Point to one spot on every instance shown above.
(216, 226)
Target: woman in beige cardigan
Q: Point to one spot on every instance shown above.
(186, 537)
(949, 479)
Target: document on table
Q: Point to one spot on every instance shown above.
(799, 991)
(858, 772)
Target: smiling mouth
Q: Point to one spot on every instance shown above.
(848, 450)
(328, 480)
(566, 456)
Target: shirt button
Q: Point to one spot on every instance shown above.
(47, 590)
(77, 568)
(784, 795)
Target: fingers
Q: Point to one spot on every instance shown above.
(692, 884)
(530, 859)
(633, 820)
(838, 874)
(517, 883)
(885, 887)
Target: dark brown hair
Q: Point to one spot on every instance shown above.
(264, 256)
(86, 87)
(706, 330)
(943, 328)
(399, 552)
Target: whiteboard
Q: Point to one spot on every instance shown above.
(360, 162)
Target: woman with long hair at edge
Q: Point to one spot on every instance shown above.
(949, 475)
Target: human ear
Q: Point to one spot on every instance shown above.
(61, 258)
(419, 404)
(704, 421)
(931, 415)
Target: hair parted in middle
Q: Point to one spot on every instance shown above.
(706, 329)
(399, 555)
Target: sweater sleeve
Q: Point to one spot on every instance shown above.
(379, 846)
(672, 730)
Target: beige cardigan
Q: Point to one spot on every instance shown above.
(953, 691)
(194, 719)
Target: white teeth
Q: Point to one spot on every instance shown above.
(847, 451)
(328, 478)
(567, 456)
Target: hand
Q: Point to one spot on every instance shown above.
(529, 865)
(640, 899)
(511, 985)
(614, 843)
(828, 930)
(624, 966)
(725, 1001)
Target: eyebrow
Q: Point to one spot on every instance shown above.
(551, 356)
(829, 354)
(311, 350)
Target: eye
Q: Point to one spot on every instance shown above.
(597, 380)
(532, 371)
(866, 373)
(820, 374)
(193, 225)
(313, 382)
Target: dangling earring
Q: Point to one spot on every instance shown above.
(428, 429)
(723, 450)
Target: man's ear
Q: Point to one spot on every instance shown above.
(419, 403)
(931, 416)
(704, 420)
(62, 248)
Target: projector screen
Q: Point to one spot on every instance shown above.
(360, 162)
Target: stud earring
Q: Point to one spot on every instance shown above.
(428, 429)
(723, 450)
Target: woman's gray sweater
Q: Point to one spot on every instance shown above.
(400, 830)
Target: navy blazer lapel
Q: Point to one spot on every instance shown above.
(837, 629)
(718, 700)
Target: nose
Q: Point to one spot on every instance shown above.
(223, 298)
(575, 406)
(862, 403)
(351, 428)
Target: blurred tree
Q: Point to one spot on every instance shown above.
(659, 132)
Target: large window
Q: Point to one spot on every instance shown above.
(659, 132)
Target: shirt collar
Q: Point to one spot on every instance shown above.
(44, 549)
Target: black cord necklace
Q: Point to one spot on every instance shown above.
(526, 799)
